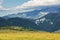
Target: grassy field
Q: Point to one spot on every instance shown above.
(27, 35)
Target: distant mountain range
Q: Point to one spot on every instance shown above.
(42, 18)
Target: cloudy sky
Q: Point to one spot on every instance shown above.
(9, 6)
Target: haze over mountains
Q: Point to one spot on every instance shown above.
(46, 19)
(38, 11)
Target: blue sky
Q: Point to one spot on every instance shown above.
(12, 3)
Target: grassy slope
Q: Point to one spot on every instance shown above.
(8, 34)
(23, 35)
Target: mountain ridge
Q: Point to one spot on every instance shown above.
(46, 19)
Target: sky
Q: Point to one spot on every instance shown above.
(14, 6)
(12, 3)
(6, 6)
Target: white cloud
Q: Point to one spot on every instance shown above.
(1, 4)
(1, 7)
(32, 3)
